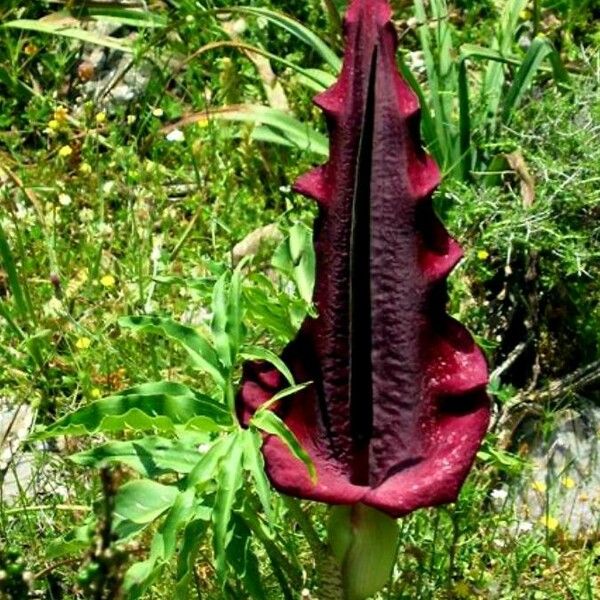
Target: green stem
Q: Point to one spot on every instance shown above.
(328, 569)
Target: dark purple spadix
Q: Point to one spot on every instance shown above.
(398, 407)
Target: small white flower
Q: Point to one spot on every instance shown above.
(86, 215)
(203, 448)
(105, 229)
(524, 527)
(64, 199)
(107, 187)
(499, 494)
(175, 136)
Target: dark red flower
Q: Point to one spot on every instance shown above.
(398, 406)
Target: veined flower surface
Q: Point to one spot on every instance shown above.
(398, 407)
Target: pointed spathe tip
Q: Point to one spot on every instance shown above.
(378, 11)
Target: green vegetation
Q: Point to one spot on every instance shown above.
(134, 157)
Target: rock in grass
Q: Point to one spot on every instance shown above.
(562, 488)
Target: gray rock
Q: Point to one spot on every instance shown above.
(562, 485)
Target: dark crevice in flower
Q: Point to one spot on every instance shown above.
(359, 277)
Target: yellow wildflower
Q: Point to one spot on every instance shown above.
(549, 522)
(96, 393)
(61, 114)
(461, 590)
(131, 119)
(525, 15)
(539, 486)
(30, 49)
(83, 343)
(85, 168)
(158, 112)
(65, 151)
(54, 124)
(483, 255)
(568, 482)
(107, 281)
(101, 117)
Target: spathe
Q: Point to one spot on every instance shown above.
(398, 406)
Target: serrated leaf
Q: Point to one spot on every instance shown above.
(75, 541)
(141, 575)
(143, 500)
(160, 406)
(198, 347)
(149, 456)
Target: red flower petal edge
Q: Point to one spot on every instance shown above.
(398, 407)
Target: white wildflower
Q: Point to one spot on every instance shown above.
(175, 136)
(64, 199)
(499, 494)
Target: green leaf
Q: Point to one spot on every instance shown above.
(270, 309)
(142, 501)
(269, 422)
(140, 576)
(235, 310)
(128, 16)
(192, 538)
(258, 353)
(241, 557)
(229, 480)
(295, 257)
(161, 406)
(64, 28)
(75, 541)
(149, 456)
(464, 120)
(492, 86)
(292, 26)
(539, 50)
(219, 321)
(316, 79)
(7, 261)
(206, 468)
(198, 347)
(254, 463)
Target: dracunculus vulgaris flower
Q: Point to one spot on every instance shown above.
(397, 407)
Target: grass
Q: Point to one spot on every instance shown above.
(104, 216)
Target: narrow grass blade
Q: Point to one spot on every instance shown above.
(128, 16)
(60, 28)
(539, 50)
(464, 120)
(293, 27)
(288, 127)
(6, 259)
